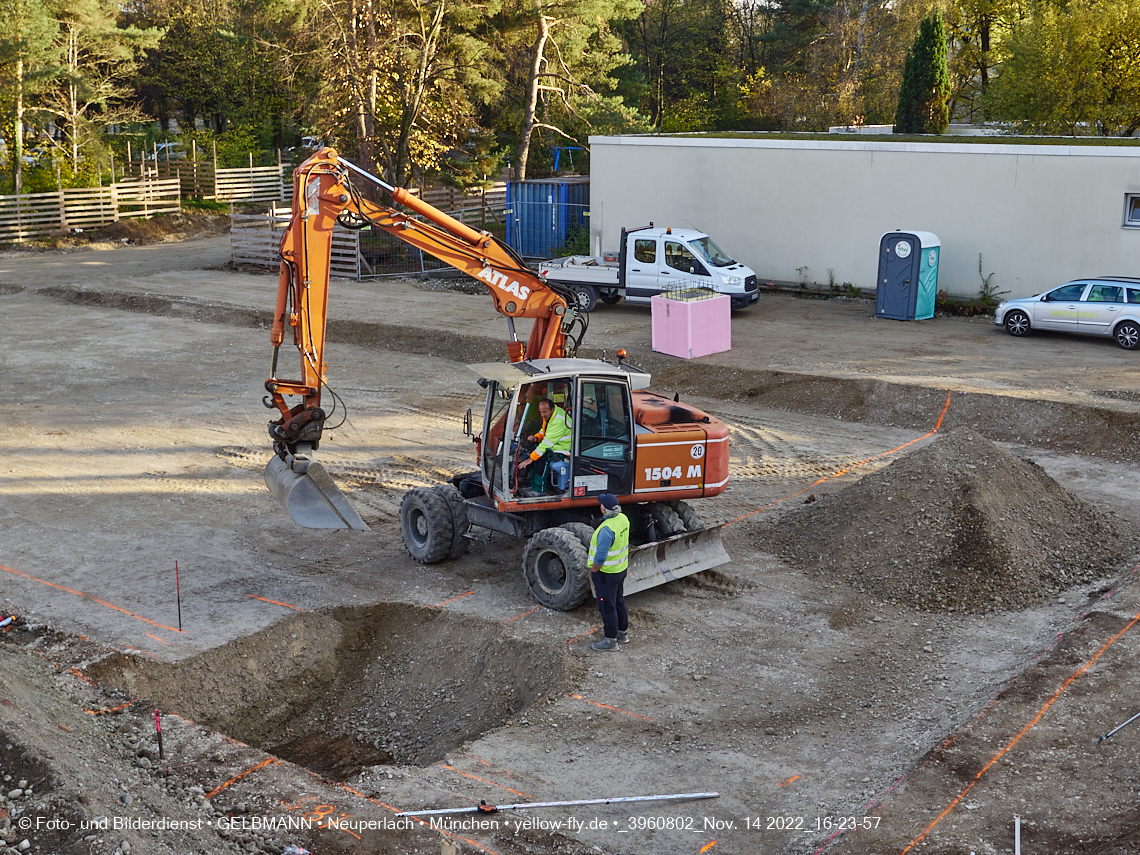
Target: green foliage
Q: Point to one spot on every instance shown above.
(1071, 68)
(577, 242)
(206, 205)
(978, 32)
(689, 80)
(946, 305)
(987, 293)
(923, 105)
(233, 145)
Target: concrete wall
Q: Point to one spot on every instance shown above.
(1038, 214)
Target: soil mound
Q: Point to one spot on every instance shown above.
(958, 525)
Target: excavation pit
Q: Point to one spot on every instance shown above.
(341, 690)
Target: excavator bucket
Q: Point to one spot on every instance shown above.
(674, 558)
(310, 495)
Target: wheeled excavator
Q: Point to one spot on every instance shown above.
(651, 451)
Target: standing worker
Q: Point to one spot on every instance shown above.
(609, 558)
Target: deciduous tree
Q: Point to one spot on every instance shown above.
(1072, 68)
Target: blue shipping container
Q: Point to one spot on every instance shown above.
(541, 212)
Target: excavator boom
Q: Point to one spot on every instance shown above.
(326, 192)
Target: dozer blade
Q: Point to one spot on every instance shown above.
(674, 558)
(310, 496)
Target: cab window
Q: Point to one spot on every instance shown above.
(645, 251)
(1066, 293)
(678, 256)
(528, 420)
(605, 426)
(1105, 294)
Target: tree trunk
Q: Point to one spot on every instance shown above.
(18, 148)
(73, 99)
(537, 59)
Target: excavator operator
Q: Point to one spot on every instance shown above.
(554, 438)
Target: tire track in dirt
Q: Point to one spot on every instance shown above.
(1111, 431)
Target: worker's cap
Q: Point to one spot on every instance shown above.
(609, 501)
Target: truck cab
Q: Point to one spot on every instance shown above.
(651, 262)
(656, 261)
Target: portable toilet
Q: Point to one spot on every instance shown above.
(908, 276)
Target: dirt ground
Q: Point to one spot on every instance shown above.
(855, 696)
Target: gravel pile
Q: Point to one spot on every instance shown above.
(960, 525)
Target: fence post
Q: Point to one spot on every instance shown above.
(62, 202)
(128, 166)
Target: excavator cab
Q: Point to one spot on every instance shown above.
(600, 411)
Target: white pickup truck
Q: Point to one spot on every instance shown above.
(652, 261)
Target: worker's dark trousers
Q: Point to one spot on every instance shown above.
(611, 601)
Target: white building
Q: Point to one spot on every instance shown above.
(814, 210)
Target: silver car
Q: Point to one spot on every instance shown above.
(1105, 305)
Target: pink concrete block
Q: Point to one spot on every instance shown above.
(691, 329)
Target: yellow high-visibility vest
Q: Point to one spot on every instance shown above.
(617, 559)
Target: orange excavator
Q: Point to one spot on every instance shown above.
(652, 452)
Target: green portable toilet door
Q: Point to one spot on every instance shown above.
(895, 290)
(927, 282)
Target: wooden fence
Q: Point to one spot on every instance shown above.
(38, 214)
(200, 179)
(255, 239)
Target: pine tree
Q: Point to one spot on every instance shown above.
(26, 62)
(924, 97)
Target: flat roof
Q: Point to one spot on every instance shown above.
(1047, 147)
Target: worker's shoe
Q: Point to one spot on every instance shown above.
(622, 637)
(605, 644)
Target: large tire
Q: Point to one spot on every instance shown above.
(557, 569)
(688, 516)
(667, 520)
(459, 522)
(582, 531)
(1127, 335)
(425, 523)
(587, 296)
(1016, 323)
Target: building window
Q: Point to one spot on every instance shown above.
(1132, 210)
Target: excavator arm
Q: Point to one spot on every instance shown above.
(325, 192)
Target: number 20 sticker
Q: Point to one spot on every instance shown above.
(697, 452)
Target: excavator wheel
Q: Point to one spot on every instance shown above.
(582, 531)
(557, 569)
(459, 523)
(688, 516)
(425, 523)
(668, 521)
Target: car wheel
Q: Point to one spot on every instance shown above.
(1017, 323)
(1127, 335)
(587, 297)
